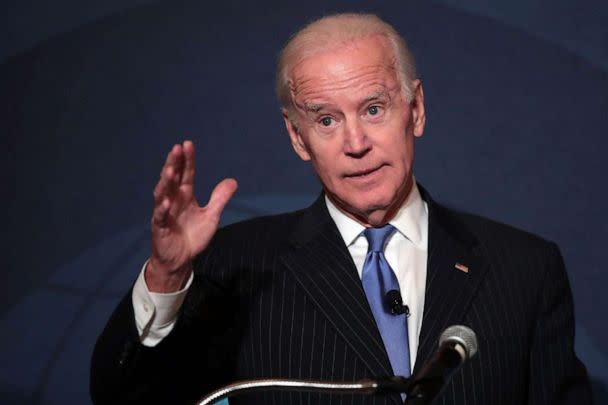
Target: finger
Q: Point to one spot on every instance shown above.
(161, 211)
(221, 194)
(175, 159)
(169, 175)
(178, 162)
(166, 186)
(189, 163)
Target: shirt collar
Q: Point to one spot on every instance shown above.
(410, 220)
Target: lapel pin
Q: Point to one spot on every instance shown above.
(461, 267)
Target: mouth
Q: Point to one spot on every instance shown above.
(364, 173)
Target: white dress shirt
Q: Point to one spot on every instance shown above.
(155, 313)
(406, 252)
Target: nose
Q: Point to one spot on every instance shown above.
(356, 141)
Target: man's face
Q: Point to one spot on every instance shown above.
(356, 128)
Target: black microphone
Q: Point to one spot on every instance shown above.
(395, 303)
(457, 344)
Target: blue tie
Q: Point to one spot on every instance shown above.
(378, 278)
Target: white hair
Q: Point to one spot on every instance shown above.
(335, 31)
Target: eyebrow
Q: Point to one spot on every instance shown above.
(376, 96)
(310, 107)
(316, 107)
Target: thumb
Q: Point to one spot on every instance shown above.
(221, 194)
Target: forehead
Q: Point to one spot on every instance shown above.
(365, 65)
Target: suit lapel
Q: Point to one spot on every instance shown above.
(454, 271)
(322, 265)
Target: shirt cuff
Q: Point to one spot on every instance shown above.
(155, 313)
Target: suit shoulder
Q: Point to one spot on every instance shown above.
(513, 253)
(253, 241)
(276, 226)
(491, 232)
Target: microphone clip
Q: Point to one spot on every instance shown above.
(395, 305)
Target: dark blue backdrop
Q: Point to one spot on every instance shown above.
(93, 95)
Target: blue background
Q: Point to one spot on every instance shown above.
(93, 95)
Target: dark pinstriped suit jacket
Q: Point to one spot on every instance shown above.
(280, 297)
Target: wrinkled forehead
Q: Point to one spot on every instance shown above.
(352, 83)
(364, 65)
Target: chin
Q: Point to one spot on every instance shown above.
(376, 200)
(371, 208)
(367, 204)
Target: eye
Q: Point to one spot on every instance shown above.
(326, 121)
(373, 109)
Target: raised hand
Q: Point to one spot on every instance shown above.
(181, 228)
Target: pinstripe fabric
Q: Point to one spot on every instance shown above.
(280, 297)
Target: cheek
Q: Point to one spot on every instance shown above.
(327, 171)
(322, 167)
(325, 157)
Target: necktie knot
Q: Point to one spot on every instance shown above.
(377, 237)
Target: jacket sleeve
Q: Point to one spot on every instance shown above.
(556, 375)
(193, 360)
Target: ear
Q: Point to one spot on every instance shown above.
(417, 106)
(296, 138)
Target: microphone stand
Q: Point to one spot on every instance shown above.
(457, 344)
(363, 387)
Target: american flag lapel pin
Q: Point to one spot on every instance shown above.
(461, 267)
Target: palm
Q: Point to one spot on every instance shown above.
(181, 228)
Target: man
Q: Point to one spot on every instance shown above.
(292, 295)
